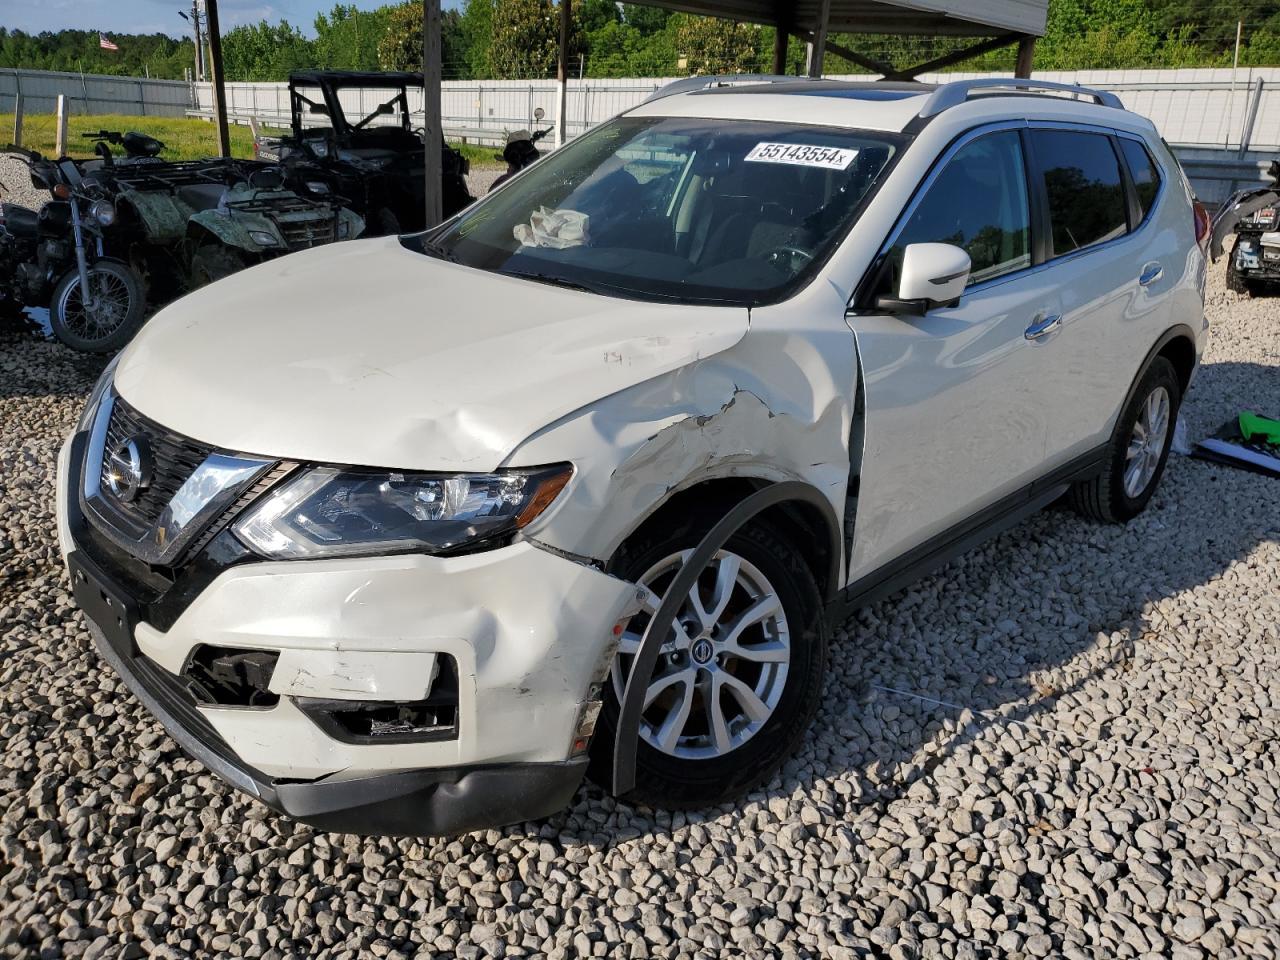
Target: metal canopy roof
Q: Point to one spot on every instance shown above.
(975, 18)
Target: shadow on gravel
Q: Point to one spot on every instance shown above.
(1058, 594)
(34, 365)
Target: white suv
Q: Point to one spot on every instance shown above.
(376, 530)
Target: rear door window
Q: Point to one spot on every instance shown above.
(1085, 192)
(979, 202)
(1142, 169)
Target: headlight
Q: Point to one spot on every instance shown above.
(263, 239)
(329, 512)
(319, 147)
(95, 395)
(344, 229)
(316, 186)
(103, 212)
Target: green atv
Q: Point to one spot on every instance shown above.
(183, 224)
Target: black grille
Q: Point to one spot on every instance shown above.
(261, 486)
(174, 459)
(300, 234)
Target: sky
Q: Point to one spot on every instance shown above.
(161, 16)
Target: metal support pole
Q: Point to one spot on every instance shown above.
(215, 74)
(562, 73)
(1026, 51)
(818, 48)
(780, 46)
(17, 119)
(60, 139)
(195, 25)
(1251, 117)
(432, 125)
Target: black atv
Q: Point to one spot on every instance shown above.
(1254, 215)
(351, 137)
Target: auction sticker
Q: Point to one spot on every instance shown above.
(803, 154)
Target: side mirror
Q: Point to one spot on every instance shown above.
(538, 113)
(933, 275)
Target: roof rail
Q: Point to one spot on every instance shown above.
(953, 94)
(689, 84)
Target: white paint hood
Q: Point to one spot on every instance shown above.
(367, 353)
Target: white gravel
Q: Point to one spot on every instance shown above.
(1105, 784)
(15, 185)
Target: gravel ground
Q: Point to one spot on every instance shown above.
(15, 185)
(1065, 744)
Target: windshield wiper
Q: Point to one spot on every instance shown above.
(552, 280)
(433, 248)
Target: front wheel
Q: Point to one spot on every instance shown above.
(1138, 452)
(738, 682)
(113, 314)
(212, 262)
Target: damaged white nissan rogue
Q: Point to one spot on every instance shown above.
(376, 530)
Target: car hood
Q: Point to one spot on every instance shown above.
(368, 353)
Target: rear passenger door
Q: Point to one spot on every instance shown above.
(1112, 274)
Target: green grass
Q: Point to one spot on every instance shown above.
(480, 156)
(184, 138)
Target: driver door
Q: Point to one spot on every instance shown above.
(957, 414)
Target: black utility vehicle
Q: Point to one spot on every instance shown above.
(351, 137)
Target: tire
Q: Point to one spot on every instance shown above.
(212, 262)
(667, 780)
(1114, 496)
(116, 322)
(1235, 282)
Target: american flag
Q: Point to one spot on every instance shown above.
(105, 43)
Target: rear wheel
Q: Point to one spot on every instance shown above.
(1138, 452)
(112, 315)
(211, 263)
(738, 682)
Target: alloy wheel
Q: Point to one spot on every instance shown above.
(722, 672)
(1146, 444)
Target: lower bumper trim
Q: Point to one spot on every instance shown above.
(440, 801)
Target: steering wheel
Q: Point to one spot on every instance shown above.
(777, 253)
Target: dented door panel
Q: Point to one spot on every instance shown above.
(957, 412)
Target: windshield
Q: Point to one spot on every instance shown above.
(694, 210)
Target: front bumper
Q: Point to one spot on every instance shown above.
(529, 631)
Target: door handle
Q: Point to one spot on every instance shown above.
(1150, 273)
(1043, 326)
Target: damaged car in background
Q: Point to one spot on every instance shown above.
(1253, 215)
(397, 577)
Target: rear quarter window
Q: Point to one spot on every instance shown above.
(1146, 177)
(1084, 188)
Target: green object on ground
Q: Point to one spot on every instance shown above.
(1253, 427)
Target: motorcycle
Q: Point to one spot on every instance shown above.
(138, 147)
(55, 257)
(520, 151)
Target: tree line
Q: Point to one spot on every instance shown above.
(518, 39)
